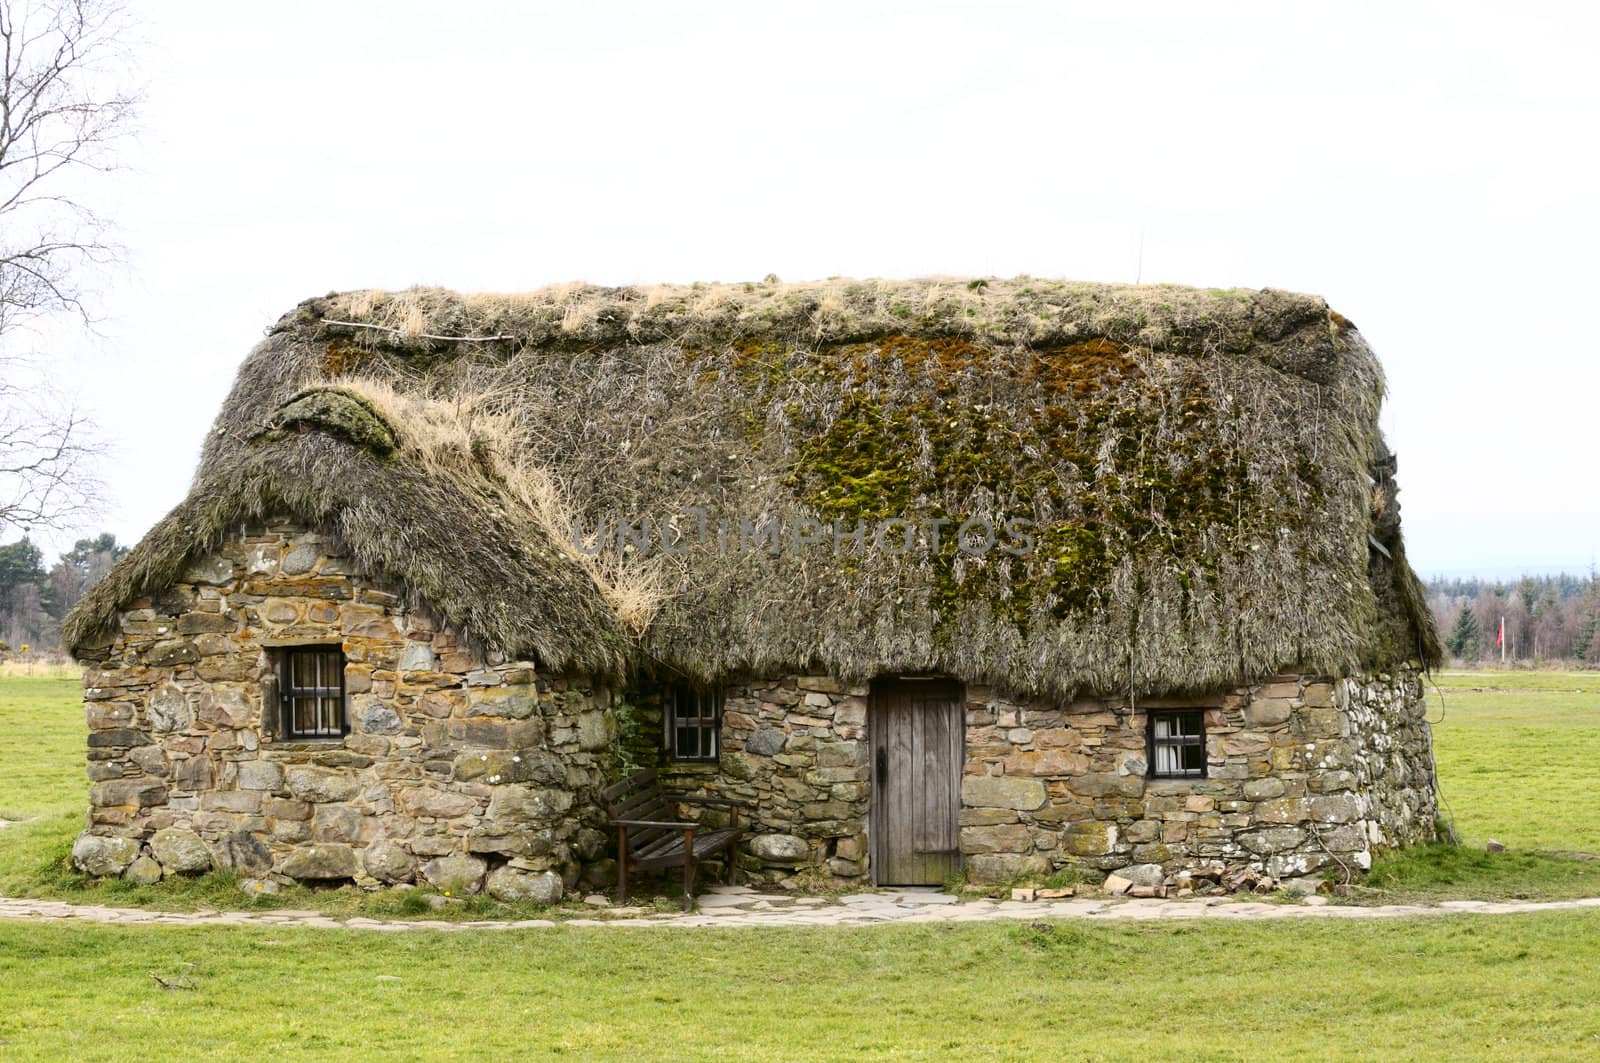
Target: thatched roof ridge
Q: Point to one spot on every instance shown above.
(1200, 468)
(1020, 311)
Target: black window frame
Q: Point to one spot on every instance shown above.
(1182, 740)
(698, 721)
(289, 692)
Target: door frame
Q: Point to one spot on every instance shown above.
(875, 834)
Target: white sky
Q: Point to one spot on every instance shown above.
(1429, 168)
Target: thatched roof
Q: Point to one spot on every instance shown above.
(1201, 473)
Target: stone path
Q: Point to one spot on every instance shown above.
(734, 906)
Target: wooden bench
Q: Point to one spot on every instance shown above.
(649, 834)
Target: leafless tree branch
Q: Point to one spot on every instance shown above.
(63, 108)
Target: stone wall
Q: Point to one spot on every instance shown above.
(1391, 754)
(457, 771)
(1303, 774)
(794, 751)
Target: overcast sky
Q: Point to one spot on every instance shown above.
(1429, 168)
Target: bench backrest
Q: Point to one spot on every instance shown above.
(639, 796)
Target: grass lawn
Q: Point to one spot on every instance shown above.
(1519, 761)
(41, 747)
(43, 789)
(1450, 987)
(1519, 756)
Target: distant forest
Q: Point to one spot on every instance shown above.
(1548, 618)
(34, 598)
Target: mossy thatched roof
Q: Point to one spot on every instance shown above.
(1199, 471)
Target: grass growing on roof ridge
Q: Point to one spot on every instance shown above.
(840, 309)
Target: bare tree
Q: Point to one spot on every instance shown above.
(63, 107)
(45, 452)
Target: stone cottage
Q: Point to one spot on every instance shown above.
(937, 577)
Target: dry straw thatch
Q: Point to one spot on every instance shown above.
(1202, 471)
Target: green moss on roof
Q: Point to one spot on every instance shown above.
(336, 410)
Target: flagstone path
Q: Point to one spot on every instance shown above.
(738, 906)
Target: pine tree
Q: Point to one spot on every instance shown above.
(1464, 636)
(1583, 646)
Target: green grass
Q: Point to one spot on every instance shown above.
(42, 752)
(1519, 757)
(43, 789)
(1431, 873)
(1455, 987)
(1516, 680)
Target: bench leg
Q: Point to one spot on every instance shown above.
(688, 869)
(622, 865)
(728, 875)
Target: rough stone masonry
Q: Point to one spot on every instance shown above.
(458, 771)
(1303, 774)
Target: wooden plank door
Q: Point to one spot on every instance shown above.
(917, 753)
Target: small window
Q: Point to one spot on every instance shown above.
(1178, 744)
(311, 685)
(694, 722)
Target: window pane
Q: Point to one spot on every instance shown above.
(1194, 757)
(304, 714)
(301, 671)
(1163, 727)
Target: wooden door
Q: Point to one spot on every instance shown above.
(917, 753)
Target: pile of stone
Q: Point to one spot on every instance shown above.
(1137, 880)
(1248, 880)
(1150, 880)
(1034, 893)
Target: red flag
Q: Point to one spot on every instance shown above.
(1500, 639)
